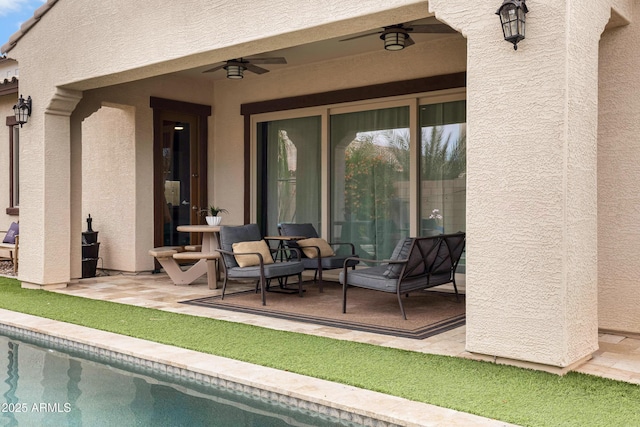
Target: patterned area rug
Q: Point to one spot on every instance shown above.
(428, 312)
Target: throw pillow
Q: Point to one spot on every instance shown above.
(259, 246)
(311, 252)
(10, 237)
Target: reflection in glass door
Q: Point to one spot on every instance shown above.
(290, 162)
(443, 166)
(370, 179)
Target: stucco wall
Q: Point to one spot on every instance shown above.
(109, 184)
(531, 166)
(618, 176)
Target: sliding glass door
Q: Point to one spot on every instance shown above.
(370, 179)
(356, 174)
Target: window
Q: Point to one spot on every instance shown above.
(14, 166)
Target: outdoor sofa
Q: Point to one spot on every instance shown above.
(416, 263)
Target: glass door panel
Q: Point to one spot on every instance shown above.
(289, 172)
(370, 179)
(443, 165)
(179, 173)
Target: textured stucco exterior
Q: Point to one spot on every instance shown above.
(550, 154)
(618, 176)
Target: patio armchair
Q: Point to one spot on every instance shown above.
(246, 255)
(317, 254)
(417, 263)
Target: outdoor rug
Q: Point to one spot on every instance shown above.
(428, 312)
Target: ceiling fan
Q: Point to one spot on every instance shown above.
(397, 37)
(235, 67)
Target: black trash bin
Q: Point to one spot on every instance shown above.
(90, 249)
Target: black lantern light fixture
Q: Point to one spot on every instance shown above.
(512, 17)
(394, 38)
(22, 110)
(235, 69)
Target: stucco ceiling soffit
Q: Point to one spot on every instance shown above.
(64, 101)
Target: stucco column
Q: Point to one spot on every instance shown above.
(531, 180)
(45, 210)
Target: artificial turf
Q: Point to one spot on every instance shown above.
(510, 394)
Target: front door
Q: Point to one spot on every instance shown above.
(180, 175)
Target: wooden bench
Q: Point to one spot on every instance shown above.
(416, 263)
(12, 248)
(169, 257)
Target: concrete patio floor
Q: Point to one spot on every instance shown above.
(618, 357)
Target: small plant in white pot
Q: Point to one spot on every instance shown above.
(213, 214)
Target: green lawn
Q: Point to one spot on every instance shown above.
(507, 393)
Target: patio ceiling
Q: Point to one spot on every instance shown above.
(324, 50)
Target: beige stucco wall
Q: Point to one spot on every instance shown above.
(109, 184)
(531, 223)
(618, 175)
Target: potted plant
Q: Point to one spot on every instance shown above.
(212, 214)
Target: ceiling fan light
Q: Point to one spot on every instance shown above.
(394, 40)
(235, 71)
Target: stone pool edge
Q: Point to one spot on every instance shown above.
(341, 401)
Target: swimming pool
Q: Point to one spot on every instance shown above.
(63, 387)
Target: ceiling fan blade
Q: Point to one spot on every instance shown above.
(360, 36)
(273, 60)
(256, 69)
(431, 28)
(408, 41)
(215, 69)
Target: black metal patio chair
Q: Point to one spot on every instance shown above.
(317, 254)
(246, 255)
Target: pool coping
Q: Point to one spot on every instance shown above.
(341, 401)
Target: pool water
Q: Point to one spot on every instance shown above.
(44, 387)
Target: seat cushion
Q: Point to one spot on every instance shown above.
(371, 278)
(277, 269)
(328, 263)
(308, 246)
(259, 246)
(13, 231)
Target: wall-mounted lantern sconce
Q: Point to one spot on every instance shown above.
(22, 110)
(512, 17)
